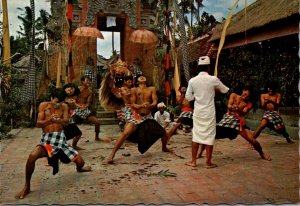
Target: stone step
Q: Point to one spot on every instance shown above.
(103, 114)
(108, 121)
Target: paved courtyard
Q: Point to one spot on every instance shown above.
(154, 177)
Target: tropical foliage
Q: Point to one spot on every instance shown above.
(11, 93)
(259, 63)
(22, 42)
(12, 111)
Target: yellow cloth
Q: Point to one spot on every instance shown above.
(222, 39)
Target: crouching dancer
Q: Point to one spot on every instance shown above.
(52, 118)
(138, 129)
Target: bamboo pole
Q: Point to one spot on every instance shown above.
(6, 40)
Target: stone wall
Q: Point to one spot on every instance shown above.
(289, 115)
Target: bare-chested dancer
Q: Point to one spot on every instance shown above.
(271, 118)
(233, 123)
(137, 113)
(82, 110)
(52, 118)
(72, 131)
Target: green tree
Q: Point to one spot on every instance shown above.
(25, 29)
(26, 26)
(41, 24)
(207, 23)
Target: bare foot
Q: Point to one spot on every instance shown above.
(209, 166)
(106, 140)
(191, 164)
(109, 161)
(167, 150)
(288, 140)
(84, 169)
(78, 148)
(23, 193)
(266, 157)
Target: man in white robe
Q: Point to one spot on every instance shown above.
(202, 88)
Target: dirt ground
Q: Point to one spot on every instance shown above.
(154, 177)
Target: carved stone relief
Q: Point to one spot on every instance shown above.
(112, 6)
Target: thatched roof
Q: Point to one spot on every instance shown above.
(258, 14)
(24, 62)
(197, 47)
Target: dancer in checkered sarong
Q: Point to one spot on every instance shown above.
(271, 118)
(140, 127)
(72, 131)
(186, 115)
(52, 118)
(233, 123)
(129, 83)
(83, 103)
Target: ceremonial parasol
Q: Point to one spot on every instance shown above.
(143, 36)
(87, 31)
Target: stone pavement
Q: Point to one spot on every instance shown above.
(154, 177)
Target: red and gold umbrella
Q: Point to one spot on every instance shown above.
(87, 31)
(143, 36)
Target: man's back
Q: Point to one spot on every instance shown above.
(202, 88)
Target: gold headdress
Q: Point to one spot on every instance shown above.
(119, 64)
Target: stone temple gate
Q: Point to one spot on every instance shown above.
(129, 15)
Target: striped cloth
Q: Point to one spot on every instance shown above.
(233, 121)
(274, 119)
(56, 141)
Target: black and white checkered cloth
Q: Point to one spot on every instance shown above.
(231, 120)
(184, 41)
(28, 90)
(120, 115)
(55, 141)
(82, 113)
(89, 72)
(187, 114)
(132, 116)
(274, 119)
